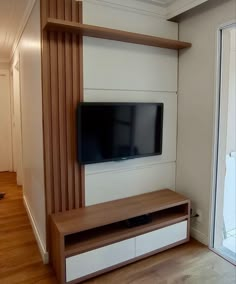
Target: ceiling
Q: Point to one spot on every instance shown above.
(12, 13)
(173, 8)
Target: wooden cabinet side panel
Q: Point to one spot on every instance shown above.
(57, 253)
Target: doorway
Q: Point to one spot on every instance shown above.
(224, 229)
(5, 122)
(16, 122)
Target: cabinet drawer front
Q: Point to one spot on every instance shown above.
(98, 259)
(161, 238)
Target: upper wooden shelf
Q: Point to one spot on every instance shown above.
(112, 34)
(79, 220)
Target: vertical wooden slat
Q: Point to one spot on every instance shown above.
(61, 9)
(69, 115)
(69, 109)
(55, 111)
(62, 108)
(68, 10)
(44, 13)
(55, 127)
(47, 129)
(75, 79)
(81, 99)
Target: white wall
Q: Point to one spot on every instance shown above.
(196, 105)
(123, 72)
(29, 50)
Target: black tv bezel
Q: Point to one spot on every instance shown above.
(78, 127)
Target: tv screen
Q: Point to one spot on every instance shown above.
(118, 131)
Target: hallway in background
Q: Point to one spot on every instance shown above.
(20, 260)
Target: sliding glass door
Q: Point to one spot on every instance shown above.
(224, 232)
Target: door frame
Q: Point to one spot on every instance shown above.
(216, 135)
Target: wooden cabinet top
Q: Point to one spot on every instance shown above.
(102, 214)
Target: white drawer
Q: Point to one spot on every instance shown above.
(98, 259)
(161, 238)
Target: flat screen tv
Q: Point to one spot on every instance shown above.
(118, 131)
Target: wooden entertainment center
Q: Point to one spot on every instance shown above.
(93, 240)
(88, 241)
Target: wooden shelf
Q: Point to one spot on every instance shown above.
(86, 241)
(112, 34)
(94, 216)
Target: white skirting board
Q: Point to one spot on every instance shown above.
(199, 236)
(41, 246)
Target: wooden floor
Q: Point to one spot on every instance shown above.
(20, 261)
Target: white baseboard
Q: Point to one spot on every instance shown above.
(41, 246)
(199, 236)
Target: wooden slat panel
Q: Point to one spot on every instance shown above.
(62, 80)
(47, 126)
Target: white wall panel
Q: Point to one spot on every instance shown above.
(32, 133)
(118, 184)
(125, 66)
(123, 72)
